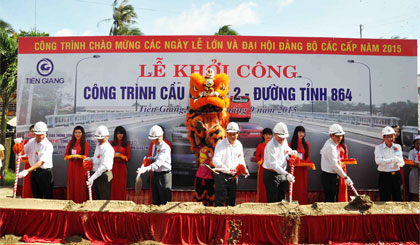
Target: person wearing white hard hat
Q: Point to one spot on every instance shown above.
(40, 150)
(160, 164)
(276, 154)
(413, 178)
(389, 158)
(331, 165)
(103, 160)
(228, 154)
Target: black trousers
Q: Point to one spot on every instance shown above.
(161, 187)
(390, 186)
(101, 187)
(42, 183)
(225, 190)
(330, 183)
(275, 187)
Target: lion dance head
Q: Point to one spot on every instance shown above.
(207, 117)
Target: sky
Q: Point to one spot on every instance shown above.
(301, 18)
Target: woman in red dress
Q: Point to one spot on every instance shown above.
(300, 186)
(342, 187)
(267, 135)
(76, 177)
(119, 169)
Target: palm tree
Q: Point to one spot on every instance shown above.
(8, 78)
(123, 17)
(6, 26)
(226, 31)
(8, 71)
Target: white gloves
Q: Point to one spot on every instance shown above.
(290, 178)
(143, 170)
(293, 152)
(23, 173)
(89, 182)
(92, 178)
(247, 173)
(348, 181)
(398, 161)
(18, 140)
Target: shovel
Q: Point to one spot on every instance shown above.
(292, 172)
(361, 202)
(19, 158)
(354, 190)
(89, 187)
(138, 185)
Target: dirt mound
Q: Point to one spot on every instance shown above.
(362, 203)
(10, 239)
(358, 205)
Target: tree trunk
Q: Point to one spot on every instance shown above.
(3, 129)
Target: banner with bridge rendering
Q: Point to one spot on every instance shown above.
(139, 81)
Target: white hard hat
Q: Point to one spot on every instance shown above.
(387, 130)
(232, 127)
(281, 130)
(336, 129)
(101, 132)
(40, 128)
(155, 132)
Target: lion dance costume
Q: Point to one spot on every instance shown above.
(206, 121)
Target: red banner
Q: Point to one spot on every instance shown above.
(217, 44)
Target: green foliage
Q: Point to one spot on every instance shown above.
(226, 31)
(9, 177)
(123, 18)
(6, 27)
(406, 111)
(33, 33)
(8, 74)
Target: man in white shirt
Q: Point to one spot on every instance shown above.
(228, 154)
(160, 164)
(103, 160)
(330, 164)
(276, 154)
(40, 151)
(389, 158)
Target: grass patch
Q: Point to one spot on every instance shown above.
(9, 178)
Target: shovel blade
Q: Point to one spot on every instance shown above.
(138, 185)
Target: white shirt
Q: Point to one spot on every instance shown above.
(103, 159)
(384, 156)
(228, 156)
(330, 162)
(275, 156)
(161, 157)
(413, 178)
(31, 158)
(42, 151)
(412, 155)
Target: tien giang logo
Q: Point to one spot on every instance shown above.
(44, 67)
